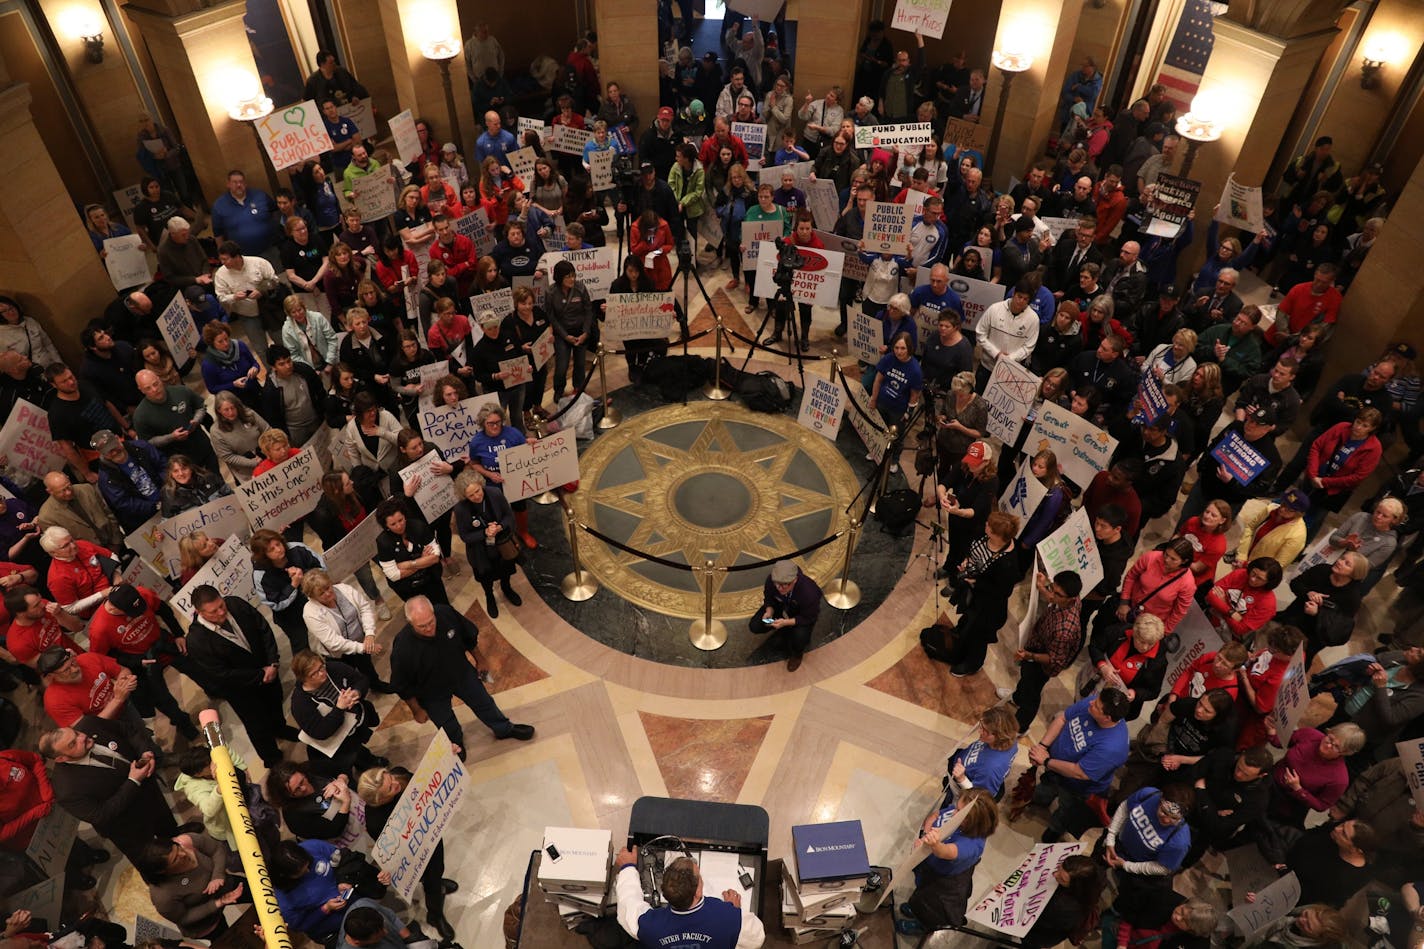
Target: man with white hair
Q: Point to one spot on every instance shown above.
(79, 509)
(430, 666)
(182, 260)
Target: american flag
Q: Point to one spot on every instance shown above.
(1187, 56)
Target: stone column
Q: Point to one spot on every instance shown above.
(1258, 78)
(417, 80)
(1356, 116)
(199, 55)
(827, 38)
(363, 37)
(49, 263)
(1386, 299)
(628, 52)
(1044, 31)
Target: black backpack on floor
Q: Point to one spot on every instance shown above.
(897, 511)
(766, 392)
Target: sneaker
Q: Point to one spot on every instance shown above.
(909, 927)
(383, 612)
(486, 677)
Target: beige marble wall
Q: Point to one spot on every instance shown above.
(827, 37)
(627, 51)
(1098, 35)
(46, 258)
(106, 90)
(1355, 116)
(363, 36)
(197, 54)
(1045, 31)
(417, 80)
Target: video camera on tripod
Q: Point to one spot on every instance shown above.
(787, 260)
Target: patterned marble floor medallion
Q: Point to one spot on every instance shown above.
(707, 481)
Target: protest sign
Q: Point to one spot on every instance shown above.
(517, 371)
(436, 494)
(765, 9)
(1172, 200)
(1291, 698)
(976, 295)
(816, 280)
(362, 114)
(407, 139)
(49, 844)
(915, 201)
(126, 262)
(146, 929)
(1009, 396)
(348, 554)
(753, 136)
(1320, 551)
(797, 170)
(1150, 403)
(543, 349)
(823, 200)
(43, 901)
(147, 542)
(1411, 759)
(909, 134)
(1073, 547)
(1271, 904)
(220, 519)
(537, 287)
(451, 427)
(925, 17)
(872, 430)
(176, 326)
(127, 199)
(1023, 495)
(374, 196)
(887, 228)
(536, 467)
(852, 266)
(140, 573)
(418, 821)
(230, 571)
(426, 377)
(567, 139)
(600, 168)
(1082, 448)
(476, 226)
(530, 125)
(1241, 206)
(754, 234)
(1240, 460)
(1058, 226)
(639, 316)
(284, 494)
(1196, 637)
(865, 337)
(521, 162)
(1013, 906)
(596, 267)
(293, 134)
(499, 302)
(1249, 872)
(26, 442)
(970, 137)
(822, 405)
(709, 226)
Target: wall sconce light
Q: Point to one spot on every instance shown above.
(1378, 53)
(1010, 61)
(248, 104)
(85, 25)
(1200, 125)
(441, 49)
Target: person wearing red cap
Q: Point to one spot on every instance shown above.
(658, 144)
(967, 492)
(126, 627)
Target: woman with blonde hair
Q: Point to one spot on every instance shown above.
(945, 880)
(984, 763)
(380, 789)
(343, 620)
(1130, 658)
(194, 551)
(1205, 398)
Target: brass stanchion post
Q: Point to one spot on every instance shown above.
(707, 633)
(843, 593)
(611, 416)
(536, 422)
(884, 470)
(579, 585)
(713, 390)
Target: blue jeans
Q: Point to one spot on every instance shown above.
(470, 690)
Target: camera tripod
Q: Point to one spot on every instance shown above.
(793, 349)
(687, 268)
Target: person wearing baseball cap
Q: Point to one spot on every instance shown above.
(791, 601)
(1272, 528)
(87, 684)
(1240, 464)
(966, 493)
(126, 628)
(658, 143)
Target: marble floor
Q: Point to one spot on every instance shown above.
(860, 731)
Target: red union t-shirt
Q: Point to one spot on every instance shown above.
(67, 703)
(26, 642)
(110, 633)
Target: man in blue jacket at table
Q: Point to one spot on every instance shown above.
(689, 920)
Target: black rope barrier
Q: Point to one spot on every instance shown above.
(859, 411)
(663, 561)
(676, 342)
(775, 352)
(810, 548)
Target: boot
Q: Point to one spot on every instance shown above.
(491, 607)
(509, 594)
(521, 527)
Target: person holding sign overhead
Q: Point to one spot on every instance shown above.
(944, 881)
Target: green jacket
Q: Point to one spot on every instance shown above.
(349, 176)
(1243, 357)
(688, 189)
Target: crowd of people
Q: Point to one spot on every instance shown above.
(319, 329)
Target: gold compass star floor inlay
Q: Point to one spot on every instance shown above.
(708, 481)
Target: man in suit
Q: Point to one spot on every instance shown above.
(233, 655)
(1218, 307)
(1074, 249)
(104, 774)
